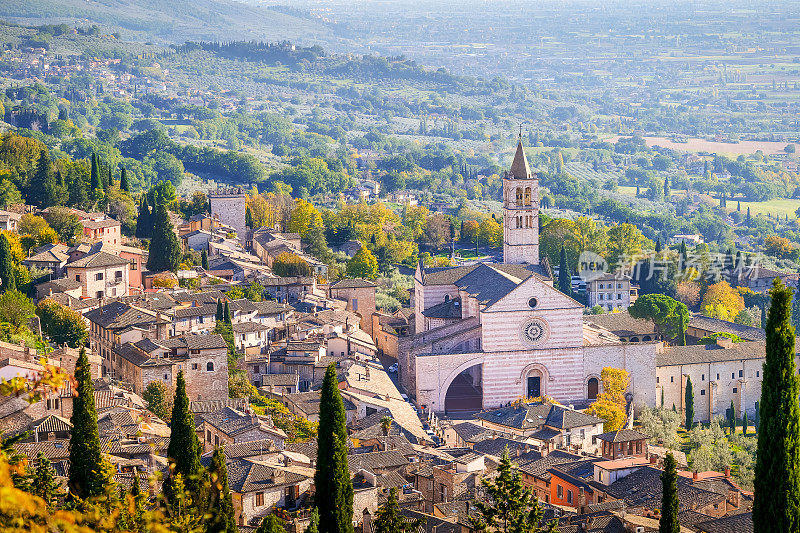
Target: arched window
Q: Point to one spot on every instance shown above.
(210, 366)
(593, 387)
(519, 195)
(527, 196)
(634, 339)
(646, 338)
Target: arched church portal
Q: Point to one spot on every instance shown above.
(534, 381)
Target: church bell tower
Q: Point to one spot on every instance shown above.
(520, 211)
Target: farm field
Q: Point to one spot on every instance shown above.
(714, 147)
(780, 206)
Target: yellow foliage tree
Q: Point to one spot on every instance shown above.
(610, 404)
(722, 301)
(303, 217)
(262, 211)
(491, 232)
(625, 241)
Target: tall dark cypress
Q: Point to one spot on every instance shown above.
(668, 523)
(204, 260)
(220, 504)
(777, 473)
(226, 314)
(334, 489)
(184, 446)
(144, 226)
(564, 276)
(165, 251)
(123, 181)
(220, 313)
(42, 191)
(689, 403)
(97, 182)
(85, 476)
(7, 280)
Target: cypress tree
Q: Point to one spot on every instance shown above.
(85, 468)
(44, 484)
(43, 189)
(745, 423)
(564, 277)
(223, 517)
(165, 252)
(389, 520)
(96, 182)
(184, 446)
(738, 205)
(668, 523)
(226, 316)
(7, 280)
(777, 476)
(248, 217)
(144, 228)
(732, 419)
(204, 260)
(334, 489)
(313, 522)
(110, 176)
(220, 313)
(666, 188)
(123, 181)
(78, 196)
(689, 400)
(747, 218)
(659, 246)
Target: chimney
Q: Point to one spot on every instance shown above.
(694, 475)
(727, 472)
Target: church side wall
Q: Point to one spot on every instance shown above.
(639, 359)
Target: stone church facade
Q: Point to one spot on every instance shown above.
(504, 332)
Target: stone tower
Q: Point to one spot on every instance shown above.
(228, 206)
(520, 212)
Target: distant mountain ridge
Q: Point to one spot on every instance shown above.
(172, 21)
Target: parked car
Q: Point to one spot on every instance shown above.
(393, 368)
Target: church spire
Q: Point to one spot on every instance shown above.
(520, 168)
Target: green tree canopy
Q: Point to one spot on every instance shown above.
(669, 315)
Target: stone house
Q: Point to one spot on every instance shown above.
(611, 292)
(289, 289)
(360, 297)
(117, 323)
(9, 221)
(107, 230)
(197, 240)
(250, 336)
(53, 259)
(231, 426)
(101, 275)
(203, 359)
(197, 318)
(552, 426)
(622, 444)
(387, 330)
(259, 488)
(65, 286)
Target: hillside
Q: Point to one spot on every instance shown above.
(171, 20)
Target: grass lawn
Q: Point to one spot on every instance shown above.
(779, 206)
